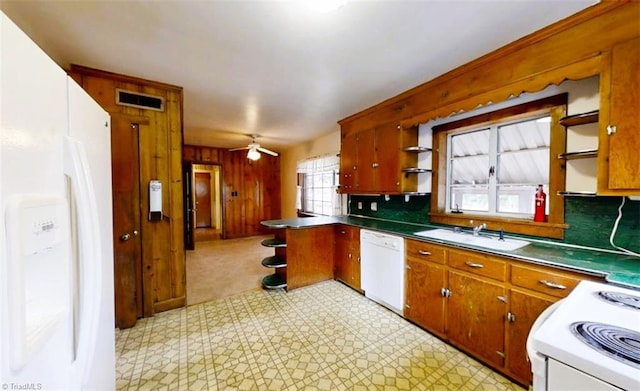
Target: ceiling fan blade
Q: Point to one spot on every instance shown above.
(238, 149)
(268, 152)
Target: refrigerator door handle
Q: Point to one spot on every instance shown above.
(76, 166)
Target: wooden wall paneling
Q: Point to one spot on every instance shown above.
(306, 267)
(160, 144)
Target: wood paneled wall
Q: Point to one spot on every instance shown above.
(251, 189)
(160, 146)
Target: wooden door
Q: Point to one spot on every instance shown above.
(189, 210)
(203, 199)
(425, 302)
(387, 151)
(475, 316)
(525, 309)
(126, 220)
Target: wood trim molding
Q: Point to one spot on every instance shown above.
(74, 68)
(517, 67)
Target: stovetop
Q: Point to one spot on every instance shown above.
(596, 330)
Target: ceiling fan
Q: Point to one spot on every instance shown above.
(255, 149)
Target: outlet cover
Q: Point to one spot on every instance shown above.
(359, 204)
(374, 206)
(634, 198)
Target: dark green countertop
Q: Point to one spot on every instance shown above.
(617, 267)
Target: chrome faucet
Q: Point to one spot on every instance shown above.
(478, 228)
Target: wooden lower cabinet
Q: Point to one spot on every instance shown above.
(425, 303)
(482, 304)
(476, 313)
(524, 310)
(347, 255)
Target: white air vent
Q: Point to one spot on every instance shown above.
(139, 100)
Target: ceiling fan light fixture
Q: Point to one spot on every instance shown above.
(253, 154)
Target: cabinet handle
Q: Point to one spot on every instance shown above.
(445, 292)
(350, 256)
(423, 252)
(407, 267)
(552, 285)
(407, 306)
(502, 299)
(343, 232)
(374, 165)
(499, 353)
(511, 317)
(475, 265)
(611, 129)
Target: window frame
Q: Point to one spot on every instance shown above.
(556, 107)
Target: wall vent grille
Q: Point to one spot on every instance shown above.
(139, 100)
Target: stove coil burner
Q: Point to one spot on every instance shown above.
(621, 299)
(618, 343)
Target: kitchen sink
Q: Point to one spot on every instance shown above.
(482, 240)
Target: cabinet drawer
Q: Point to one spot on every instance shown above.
(551, 282)
(425, 251)
(479, 264)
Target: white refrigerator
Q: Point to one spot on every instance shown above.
(56, 259)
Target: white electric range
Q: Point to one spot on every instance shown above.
(588, 341)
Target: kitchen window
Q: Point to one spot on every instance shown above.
(490, 165)
(318, 179)
(496, 169)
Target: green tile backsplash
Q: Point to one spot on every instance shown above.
(415, 210)
(590, 219)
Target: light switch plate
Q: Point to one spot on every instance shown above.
(374, 206)
(359, 204)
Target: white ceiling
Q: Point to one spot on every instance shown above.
(277, 68)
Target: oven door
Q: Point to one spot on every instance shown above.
(565, 378)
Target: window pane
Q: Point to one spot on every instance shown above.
(515, 199)
(471, 198)
(470, 158)
(524, 152)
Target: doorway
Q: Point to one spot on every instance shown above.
(207, 200)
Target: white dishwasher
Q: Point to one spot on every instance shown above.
(382, 268)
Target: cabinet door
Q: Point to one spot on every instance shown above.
(424, 300)
(387, 155)
(366, 161)
(355, 258)
(525, 309)
(341, 265)
(620, 162)
(348, 162)
(475, 317)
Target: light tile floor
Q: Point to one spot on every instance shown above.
(321, 337)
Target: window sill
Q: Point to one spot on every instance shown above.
(511, 225)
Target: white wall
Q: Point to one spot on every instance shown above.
(329, 143)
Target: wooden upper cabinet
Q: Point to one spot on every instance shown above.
(619, 161)
(371, 160)
(348, 162)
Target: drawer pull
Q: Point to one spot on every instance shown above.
(423, 252)
(475, 265)
(552, 285)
